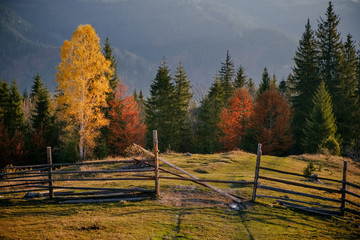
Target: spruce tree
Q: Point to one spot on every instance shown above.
(320, 124)
(304, 81)
(208, 132)
(41, 114)
(265, 83)
(4, 99)
(14, 116)
(160, 109)
(347, 112)
(331, 60)
(37, 86)
(240, 79)
(114, 77)
(182, 100)
(251, 86)
(226, 75)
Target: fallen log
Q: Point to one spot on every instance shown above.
(192, 176)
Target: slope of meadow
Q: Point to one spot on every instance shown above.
(189, 211)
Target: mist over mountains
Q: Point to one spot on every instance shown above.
(257, 33)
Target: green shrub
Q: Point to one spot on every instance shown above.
(310, 168)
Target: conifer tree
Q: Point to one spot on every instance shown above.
(113, 78)
(240, 80)
(208, 132)
(159, 109)
(4, 99)
(320, 124)
(265, 83)
(37, 86)
(14, 116)
(273, 82)
(251, 86)
(304, 81)
(226, 75)
(182, 100)
(347, 115)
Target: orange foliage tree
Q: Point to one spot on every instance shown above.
(234, 119)
(126, 126)
(271, 122)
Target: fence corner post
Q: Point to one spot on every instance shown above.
(49, 161)
(343, 190)
(257, 168)
(156, 158)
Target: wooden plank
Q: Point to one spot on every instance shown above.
(312, 209)
(294, 200)
(98, 188)
(257, 170)
(210, 180)
(106, 171)
(102, 179)
(297, 174)
(343, 190)
(22, 172)
(353, 194)
(298, 193)
(105, 200)
(353, 211)
(192, 176)
(156, 164)
(104, 196)
(331, 190)
(351, 202)
(71, 164)
(352, 185)
(22, 184)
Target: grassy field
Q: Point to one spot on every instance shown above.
(189, 211)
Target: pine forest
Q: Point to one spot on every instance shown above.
(92, 114)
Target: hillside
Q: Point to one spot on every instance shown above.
(142, 32)
(186, 210)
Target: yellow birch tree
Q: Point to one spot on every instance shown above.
(83, 86)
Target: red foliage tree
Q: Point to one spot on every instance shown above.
(271, 122)
(234, 119)
(12, 149)
(125, 127)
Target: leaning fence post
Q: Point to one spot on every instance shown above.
(49, 161)
(257, 168)
(156, 158)
(343, 190)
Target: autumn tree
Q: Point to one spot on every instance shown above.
(83, 86)
(126, 126)
(271, 122)
(234, 119)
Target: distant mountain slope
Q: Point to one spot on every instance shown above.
(198, 32)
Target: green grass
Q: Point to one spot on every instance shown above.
(187, 211)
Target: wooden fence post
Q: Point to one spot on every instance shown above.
(49, 161)
(257, 168)
(343, 193)
(156, 158)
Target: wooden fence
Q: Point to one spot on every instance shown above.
(34, 178)
(328, 206)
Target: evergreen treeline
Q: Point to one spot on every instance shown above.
(316, 108)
